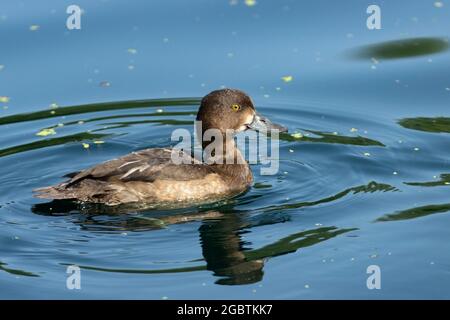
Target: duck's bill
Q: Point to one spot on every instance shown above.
(261, 123)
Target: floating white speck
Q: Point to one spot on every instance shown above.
(367, 154)
(352, 259)
(318, 224)
(438, 4)
(448, 88)
(373, 67)
(432, 262)
(86, 145)
(416, 149)
(250, 3)
(287, 78)
(395, 173)
(306, 286)
(290, 150)
(132, 51)
(81, 122)
(159, 110)
(46, 132)
(297, 135)
(34, 27)
(278, 88)
(4, 99)
(130, 67)
(105, 84)
(353, 130)
(2, 67)
(230, 54)
(165, 40)
(266, 96)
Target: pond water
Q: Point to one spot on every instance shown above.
(364, 173)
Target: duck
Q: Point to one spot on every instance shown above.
(151, 176)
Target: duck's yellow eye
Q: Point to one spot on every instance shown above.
(235, 107)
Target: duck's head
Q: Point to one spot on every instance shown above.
(231, 109)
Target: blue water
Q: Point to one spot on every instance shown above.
(366, 183)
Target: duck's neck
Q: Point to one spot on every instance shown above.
(228, 161)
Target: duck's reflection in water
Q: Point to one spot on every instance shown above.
(224, 251)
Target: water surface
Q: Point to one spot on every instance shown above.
(364, 171)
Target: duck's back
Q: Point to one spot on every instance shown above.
(146, 176)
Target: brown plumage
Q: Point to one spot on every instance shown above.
(150, 176)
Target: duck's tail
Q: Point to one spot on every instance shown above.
(87, 191)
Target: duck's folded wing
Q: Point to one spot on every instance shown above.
(145, 165)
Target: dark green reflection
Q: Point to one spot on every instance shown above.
(96, 107)
(295, 241)
(415, 212)
(439, 124)
(136, 115)
(16, 272)
(142, 271)
(83, 136)
(444, 181)
(259, 185)
(124, 124)
(404, 48)
(368, 188)
(325, 137)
